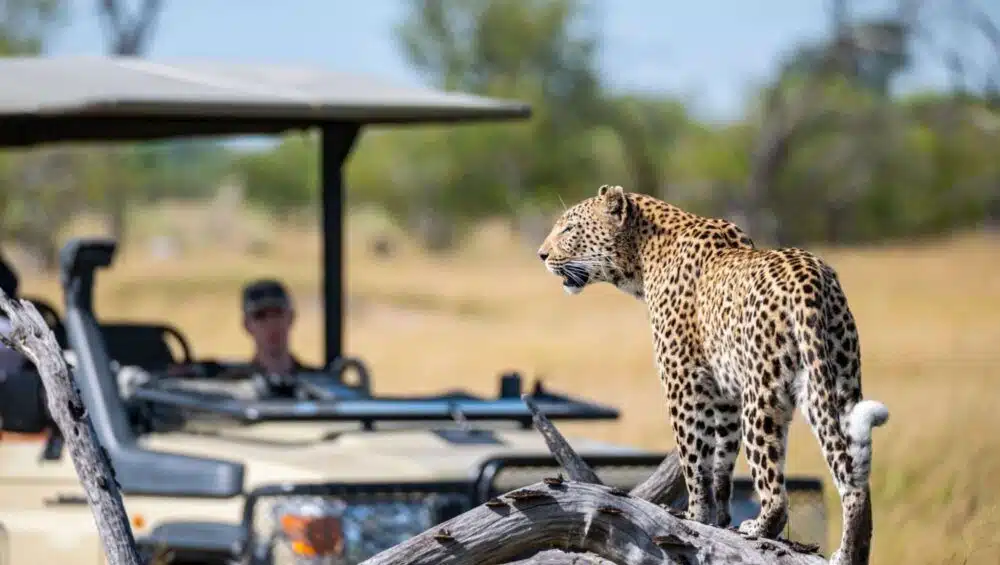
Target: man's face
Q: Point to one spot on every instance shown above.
(270, 327)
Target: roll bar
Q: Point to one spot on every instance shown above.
(139, 471)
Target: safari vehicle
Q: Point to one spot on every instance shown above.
(214, 471)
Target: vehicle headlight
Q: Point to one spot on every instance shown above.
(315, 530)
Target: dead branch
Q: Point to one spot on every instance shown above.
(556, 557)
(574, 516)
(31, 337)
(664, 486)
(587, 523)
(129, 35)
(575, 466)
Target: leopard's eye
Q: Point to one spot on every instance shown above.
(567, 228)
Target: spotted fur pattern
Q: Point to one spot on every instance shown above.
(742, 336)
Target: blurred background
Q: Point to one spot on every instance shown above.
(866, 131)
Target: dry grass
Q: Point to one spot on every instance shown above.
(927, 313)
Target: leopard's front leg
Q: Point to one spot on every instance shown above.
(695, 438)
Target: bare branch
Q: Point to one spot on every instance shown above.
(983, 22)
(556, 557)
(31, 337)
(568, 458)
(139, 34)
(580, 517)
(989, 28)
(665, 485)
(129, 35)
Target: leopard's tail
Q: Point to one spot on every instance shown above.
(861, 420)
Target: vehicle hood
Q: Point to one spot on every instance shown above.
(308, 452)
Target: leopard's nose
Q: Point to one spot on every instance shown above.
(543, 255)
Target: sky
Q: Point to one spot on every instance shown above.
(711, 53)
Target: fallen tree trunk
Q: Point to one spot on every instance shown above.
(557, 557)
(32, 338)
(570, 515)
(561, 522)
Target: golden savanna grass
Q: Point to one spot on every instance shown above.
(928, 316)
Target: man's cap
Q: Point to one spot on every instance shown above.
(265, 293)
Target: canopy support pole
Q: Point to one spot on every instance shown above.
(336, 143)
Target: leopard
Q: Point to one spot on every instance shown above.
(742, 337)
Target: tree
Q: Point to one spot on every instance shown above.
(127, 36)
(541, 51)
(646, 128)
(28, 212)
(828, 153)
(857, 56)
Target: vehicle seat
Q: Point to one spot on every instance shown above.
(144, 345)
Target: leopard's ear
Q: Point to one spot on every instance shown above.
(615, 202)
(605, 188)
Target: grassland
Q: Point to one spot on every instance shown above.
(928, 316)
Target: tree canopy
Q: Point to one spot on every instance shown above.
(827, 152)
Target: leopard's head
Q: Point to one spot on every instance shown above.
(594, 241)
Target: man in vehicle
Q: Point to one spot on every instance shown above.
(268, 316)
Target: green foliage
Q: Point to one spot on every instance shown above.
(861, 166)
(185, 169)
(24, 27)
(284, 179)
(539, 51)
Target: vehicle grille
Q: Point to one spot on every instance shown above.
(374, 517)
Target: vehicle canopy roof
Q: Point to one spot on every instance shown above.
(89, 98)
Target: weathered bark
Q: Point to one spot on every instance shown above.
(556, 557)
(566, 522)
(570, 515)
(31, 336)
(664, 486)
(575, 467)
